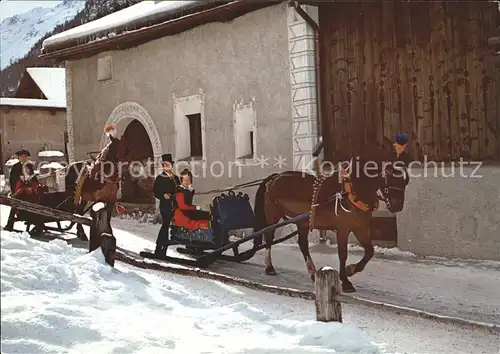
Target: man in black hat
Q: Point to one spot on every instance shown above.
(17, 174)
(164, 190)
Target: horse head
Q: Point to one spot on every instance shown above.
(382, 170)
(395, 176)
(107, 162)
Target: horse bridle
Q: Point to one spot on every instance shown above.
(384, 195)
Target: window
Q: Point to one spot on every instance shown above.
(104, 69)
(196, 144)
(189, 122)
(244, 131)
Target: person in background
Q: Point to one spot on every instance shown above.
(164, 189)
(22, 172)
(186, 214)
(17, 173)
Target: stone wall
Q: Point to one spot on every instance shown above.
(33, 129)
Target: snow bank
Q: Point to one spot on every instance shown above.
(385, 251)
(59, 299)
(49, 153)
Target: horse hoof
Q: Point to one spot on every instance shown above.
(270, 271)
(348, 288)
(350, 270)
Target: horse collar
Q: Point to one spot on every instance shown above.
(351, 196)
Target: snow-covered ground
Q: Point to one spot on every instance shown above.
(460, 288)
(58, 299)
(465, 289)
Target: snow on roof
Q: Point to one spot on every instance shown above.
(30, 102)
(50, 154)
(51, 81)
(142, 12)
(54, 165)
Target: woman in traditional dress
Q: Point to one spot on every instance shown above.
(186, 214)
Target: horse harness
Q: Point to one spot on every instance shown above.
(82, 177)
(346, 191)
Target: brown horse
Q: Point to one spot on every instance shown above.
(99, 181)
(344, 202)
(83, 184)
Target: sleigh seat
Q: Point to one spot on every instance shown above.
(229, 212)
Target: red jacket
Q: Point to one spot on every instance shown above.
(180, 218)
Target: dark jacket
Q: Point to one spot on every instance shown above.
(164, 184)
(17, 171)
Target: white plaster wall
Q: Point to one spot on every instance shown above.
(238, 60)
(455, 217)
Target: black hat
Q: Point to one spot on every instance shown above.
(167, 158)
(23, 152)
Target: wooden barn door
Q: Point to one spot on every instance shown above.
(416, 67)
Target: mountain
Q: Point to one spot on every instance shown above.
(22, 35)
(21, 32)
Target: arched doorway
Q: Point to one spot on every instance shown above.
(137, 186)
(132, 118)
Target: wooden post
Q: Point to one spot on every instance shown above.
(327, 287)
(101, 233)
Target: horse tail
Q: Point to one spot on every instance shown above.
(259, 212)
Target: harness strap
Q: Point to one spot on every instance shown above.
(346, 190)
(351, 197)
(318, 182)
(79, 184)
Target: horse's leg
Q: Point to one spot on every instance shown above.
(80, 232)
(269, 236)
(11, 220)
(364, 237)
(110, 207)
(342, 238)
(303, 241)
(268, 260)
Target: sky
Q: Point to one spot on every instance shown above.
(10, 8)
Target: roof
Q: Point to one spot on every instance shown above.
(141, 23)
(29, 102)
(51, 81)
(140, 14)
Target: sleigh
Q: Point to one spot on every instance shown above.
(58, 195)
(229, 211)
